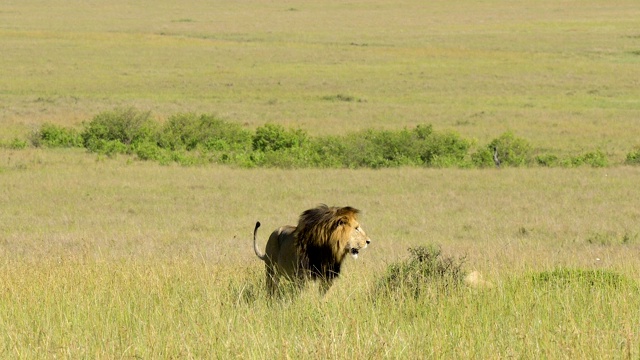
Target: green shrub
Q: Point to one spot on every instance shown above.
(442, 150)
(633, 158)
(426, 270)
(108, 147)
(600, 278)
(378, 148)
(185, 158)
(126, 126)
(512, 151)
(206, 132)
(593, 158)
(180, 132)
(15, 144)
(196, 139)
(51, 135)
(482, 158)
(150, 151)
(327, 152)
(273, 137)
(420, 146)
(290, 158)
(548, 160)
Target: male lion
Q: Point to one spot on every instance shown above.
(313, 250)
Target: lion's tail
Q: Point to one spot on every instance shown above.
(262, 256)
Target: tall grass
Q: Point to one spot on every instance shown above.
(190, 310)
(117, 258)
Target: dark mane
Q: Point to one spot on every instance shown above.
(320, 240)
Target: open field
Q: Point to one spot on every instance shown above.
(111, 258)
(117, 258)
(563, 75)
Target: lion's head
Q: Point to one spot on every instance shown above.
(315, 248)
(325, 235)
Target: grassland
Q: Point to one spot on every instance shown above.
(117, 258)
(561, 75)
(112, 258)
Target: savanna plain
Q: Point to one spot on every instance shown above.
(115, 257)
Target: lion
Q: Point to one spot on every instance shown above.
(313, 250)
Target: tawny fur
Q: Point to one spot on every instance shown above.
(314, 249)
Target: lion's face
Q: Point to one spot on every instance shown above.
(358, 240)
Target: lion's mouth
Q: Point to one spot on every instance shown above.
(354, 252)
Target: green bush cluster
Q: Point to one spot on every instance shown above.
(600, 278)
(426, 271)
(633, 158)
(198, 139)
(511, 151)
(192, 139)
(14, 144)
(592, 158)
(51, 135)
(120, 131)
(203, 132)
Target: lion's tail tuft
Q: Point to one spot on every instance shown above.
(255, 243)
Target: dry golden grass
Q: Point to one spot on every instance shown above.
(111, 257)
(115, 258)
(58, 202)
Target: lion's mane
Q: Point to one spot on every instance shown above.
(321, 241)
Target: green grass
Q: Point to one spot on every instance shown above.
(117, 258)
(561, 76)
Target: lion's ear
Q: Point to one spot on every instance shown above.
(347, 211)
(345, 214)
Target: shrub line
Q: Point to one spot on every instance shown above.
(192, 139)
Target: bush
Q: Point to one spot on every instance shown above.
(512, 151)
(150, 151)
(273, 137)
(594, 159)
(376, 149)
(15, 144)
(196, 139)
(51, 135)
(633, 158)
(443, 150)
(180, 132)
(108, 147)
(420, 146)
(125, 126)
(206, 132)
(599, 278)
(327, 152)
(425, 270)
(548, 160)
